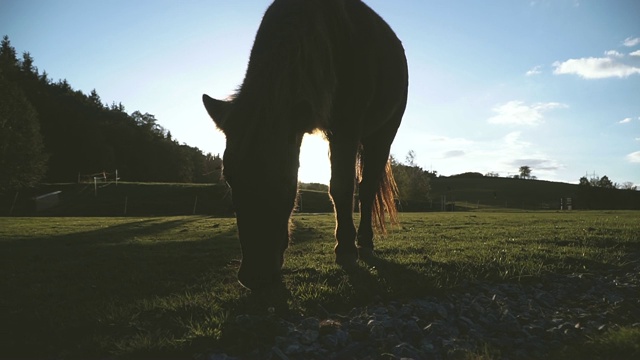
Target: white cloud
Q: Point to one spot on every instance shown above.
(613, 53)
(631, 42)
(518, 113)
(613, 64)
(534, 71)
(634, 157)
(625, 121)
(596, 68)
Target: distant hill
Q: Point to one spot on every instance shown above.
(495, 192)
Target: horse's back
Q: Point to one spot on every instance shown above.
(375, 67)
(337, 56)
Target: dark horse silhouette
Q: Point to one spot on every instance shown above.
(333, 66)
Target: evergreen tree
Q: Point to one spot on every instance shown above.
(26, 65)
(95, 98)
(22, 157)
(8, 59)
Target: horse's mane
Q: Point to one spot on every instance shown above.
(291, 75)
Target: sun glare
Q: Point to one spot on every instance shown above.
(314, 160)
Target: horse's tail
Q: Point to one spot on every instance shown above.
(385, 201)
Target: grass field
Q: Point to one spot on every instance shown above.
(145, 287)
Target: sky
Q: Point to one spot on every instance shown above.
(494, 85)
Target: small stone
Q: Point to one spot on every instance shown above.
(427, 346)
(294, 349)
(310, 324)
(442, 311)
(279, 354)
(308, 337)
(342, 337)
(407, 351)
(377, 331)
(330, 341)
(411, 330)
(464, 324)
(329, 326)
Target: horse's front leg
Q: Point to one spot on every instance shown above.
(343, 174)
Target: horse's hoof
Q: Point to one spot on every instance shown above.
(366, 254)
(346, 256)
(346, 262)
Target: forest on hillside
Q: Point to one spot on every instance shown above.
(50, 132)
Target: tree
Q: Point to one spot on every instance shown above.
(22, 157)
(410, 159)
(148, 122)
(95, 98)
(584, 181)
(525, 172)
(44, 78)
(26, 65)
(413, 182)
(8, 57)
(604, 182)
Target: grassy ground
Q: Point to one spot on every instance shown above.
(145, 287)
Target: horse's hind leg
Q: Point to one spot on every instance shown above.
(343, 173)
(374, 158)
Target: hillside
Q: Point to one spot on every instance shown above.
(494, 192)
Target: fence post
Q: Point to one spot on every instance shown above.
(15, 198)
(195, 203)
(126, 199)
(95, 186)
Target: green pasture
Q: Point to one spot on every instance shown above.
(95, 287)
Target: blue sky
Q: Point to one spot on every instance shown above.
(494, 85)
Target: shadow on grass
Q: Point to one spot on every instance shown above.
(381, 278)
(75, 295)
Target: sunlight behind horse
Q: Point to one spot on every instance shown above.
(314, 160)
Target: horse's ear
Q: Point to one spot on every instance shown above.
(217, 109)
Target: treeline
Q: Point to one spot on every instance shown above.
(414, 183)
(50, 132)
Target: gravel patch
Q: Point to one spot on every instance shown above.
(509, 321)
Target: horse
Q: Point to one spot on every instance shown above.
(329, 66)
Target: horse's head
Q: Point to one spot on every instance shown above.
(261, 167)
